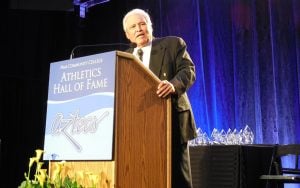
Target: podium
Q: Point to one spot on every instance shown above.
(142, 133)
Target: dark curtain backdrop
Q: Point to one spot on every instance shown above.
(248, 70)
(246, 52)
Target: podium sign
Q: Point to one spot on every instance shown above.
(80, 108)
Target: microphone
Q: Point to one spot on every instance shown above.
(96, 45)
(132, 45)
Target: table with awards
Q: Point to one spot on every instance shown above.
(229, 166)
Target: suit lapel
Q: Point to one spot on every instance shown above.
(156, 57)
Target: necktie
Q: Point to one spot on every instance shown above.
(140, 54)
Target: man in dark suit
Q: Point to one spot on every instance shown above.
(168, 59)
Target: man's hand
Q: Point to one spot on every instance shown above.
(165, 88)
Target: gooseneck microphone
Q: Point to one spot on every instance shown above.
(97, 45)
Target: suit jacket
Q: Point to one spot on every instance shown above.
(170, 61)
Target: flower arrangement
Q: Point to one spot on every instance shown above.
(40, 179)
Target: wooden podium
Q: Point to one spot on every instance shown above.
(142, 133)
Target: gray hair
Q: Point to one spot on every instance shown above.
(139, 12)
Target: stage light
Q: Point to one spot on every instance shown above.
(84, 5)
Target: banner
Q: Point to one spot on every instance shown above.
(80, 108)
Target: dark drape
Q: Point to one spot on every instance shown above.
(247, 59)
(246, 52)
(31, 41)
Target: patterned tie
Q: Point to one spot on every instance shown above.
(140, 54)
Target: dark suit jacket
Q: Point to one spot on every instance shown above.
(170, 61)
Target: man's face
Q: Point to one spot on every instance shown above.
(137, 30)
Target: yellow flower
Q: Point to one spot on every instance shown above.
(39, 165)
(43, 172)
(80, 174)
(39, 153)
(57, 171)
(94, 178)
(31, 161)
(59, 165)
(42, 176)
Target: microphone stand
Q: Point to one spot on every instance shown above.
(95, 45)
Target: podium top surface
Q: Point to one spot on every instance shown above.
(135, 59)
